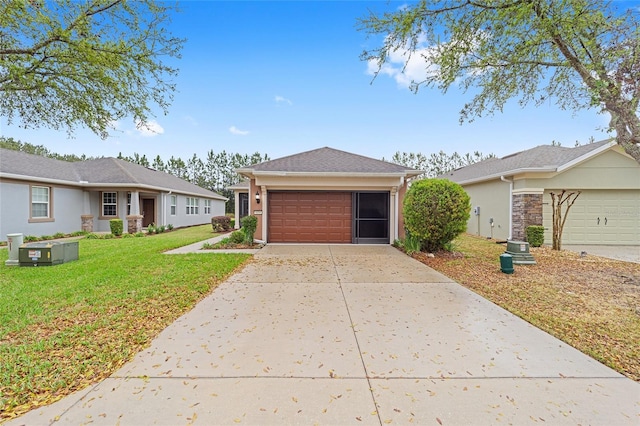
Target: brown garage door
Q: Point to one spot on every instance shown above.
(309, 217)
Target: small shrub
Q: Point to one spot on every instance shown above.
(535, 235)
(78, 233)
(169, 227)
(92, 236)
(207, 246)
(45, 238)
(127, 236)
(139, 234)
(237, 237)
(108, 236)
(412, 244)
(160, 229)
(151, 229)
(30, 238)
(59, 235)
(221, 223)
(436, 211)
(249, 225)
(116, 226)
(232, 223)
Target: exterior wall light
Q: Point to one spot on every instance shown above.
(257, 197)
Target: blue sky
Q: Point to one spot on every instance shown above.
(281, 77)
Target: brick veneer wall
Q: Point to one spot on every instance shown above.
(527, 211)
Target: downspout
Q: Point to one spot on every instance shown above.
(510, 182)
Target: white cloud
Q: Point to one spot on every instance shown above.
(280, 99)
(149, 128)
(234, 130)
(405, 67)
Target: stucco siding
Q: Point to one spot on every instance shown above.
(493, 200)
(15, 205)
(610, 170)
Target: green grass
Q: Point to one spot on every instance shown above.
(66, 326)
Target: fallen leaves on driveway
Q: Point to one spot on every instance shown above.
(590, 302)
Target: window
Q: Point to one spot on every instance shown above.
(207, 206)
(128, 203)
(40, 205)
(192, 205)
(174, 205)
(109, 204)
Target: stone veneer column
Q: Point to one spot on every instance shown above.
(527, 211)
(134, 223)
(87, 222)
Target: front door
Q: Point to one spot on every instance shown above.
(148, 211)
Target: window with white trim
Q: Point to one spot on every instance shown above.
(109, 204)
(128, 203)
(40, 202)
(192, 205)
(207, 206)
(174, 205)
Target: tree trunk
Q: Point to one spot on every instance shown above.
(559, 218)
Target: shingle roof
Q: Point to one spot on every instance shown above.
(540, 158)
(106, 171)
(329, 160)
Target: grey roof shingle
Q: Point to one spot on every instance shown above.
(328, 160)
(107, 171)
(543, 157)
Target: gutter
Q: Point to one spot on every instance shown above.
(510, 182)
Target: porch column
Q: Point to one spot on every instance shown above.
(86, 219)
(265, 203)
(393, 220)
(135, 203)
(134, 218)
(236, 209)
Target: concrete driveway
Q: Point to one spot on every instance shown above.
(341, 334)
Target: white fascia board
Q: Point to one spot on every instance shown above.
(328, 174)
(85, 184)
(586, 156)
(508, 173)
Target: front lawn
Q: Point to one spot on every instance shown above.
(592, 303)
(65, 327)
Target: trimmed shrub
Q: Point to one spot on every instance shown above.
(237, 237)
(249, 225)
(232, 223)
(221, 223)
(116, 226)
(436, 211)
(169, 227)
(535, 235)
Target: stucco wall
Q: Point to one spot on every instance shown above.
(610, 170)
(15, 206)
(493, 200)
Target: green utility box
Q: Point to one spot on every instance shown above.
(520, 252)
(48, 253)
(506, 263)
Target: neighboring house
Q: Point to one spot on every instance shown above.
(325, 196)
(512, 193)
(42, 196)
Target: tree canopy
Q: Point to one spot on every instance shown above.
(580, 53)
(69, 63)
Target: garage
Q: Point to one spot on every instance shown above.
(309, 217)
(600, 217)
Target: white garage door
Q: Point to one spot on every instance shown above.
(599, 217)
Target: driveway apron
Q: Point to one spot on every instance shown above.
(347, 334)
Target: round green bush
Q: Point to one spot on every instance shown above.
(237, 237)
(436, 211)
